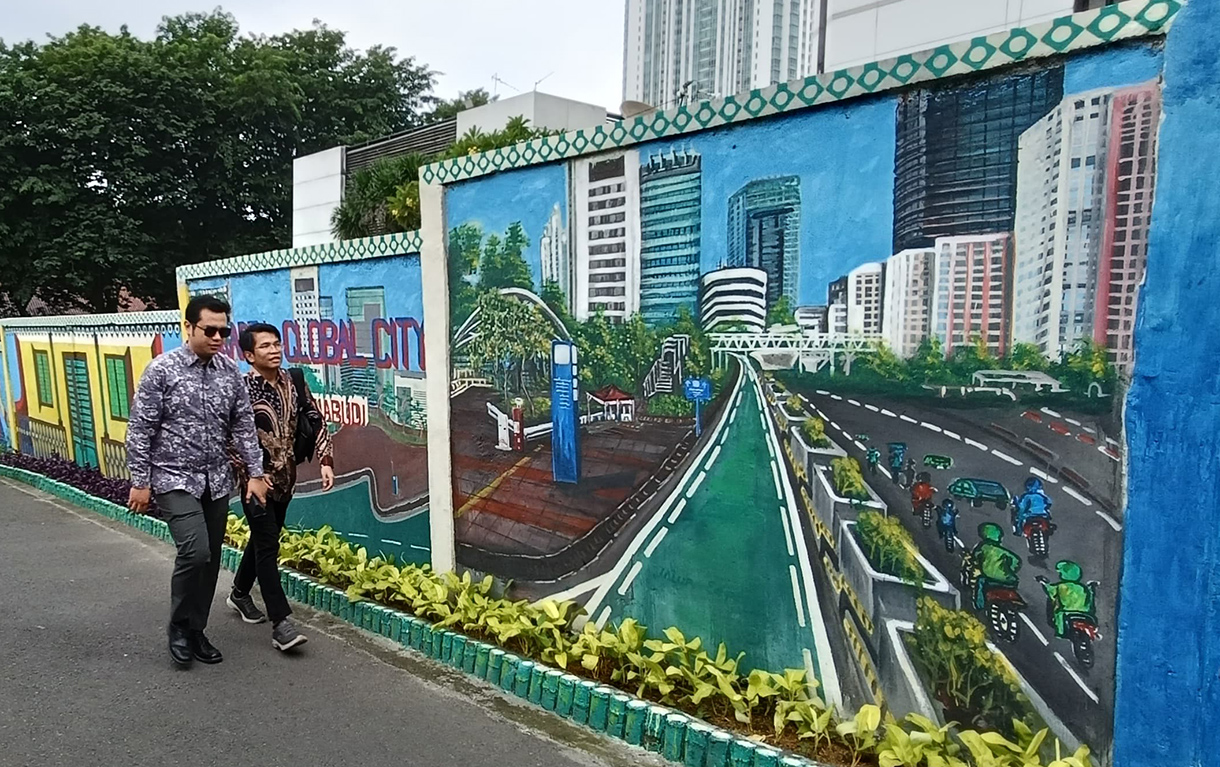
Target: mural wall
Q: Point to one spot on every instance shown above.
(351, 318)
(841, 388)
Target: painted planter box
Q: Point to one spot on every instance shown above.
(884, 596)
(808, 456)
(834, 509)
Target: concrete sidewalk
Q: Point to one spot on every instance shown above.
(85, 678)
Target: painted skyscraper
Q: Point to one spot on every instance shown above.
(671, 213)
(765, 232)
(605, 210)
(864, 287)
(305, 307)
(906, 319)
(955, 158)
(971, 297)
(556, 262)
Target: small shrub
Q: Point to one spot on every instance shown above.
(671, 406)
(889, 547)
(793, 403)
(814, 430)
(849, 482)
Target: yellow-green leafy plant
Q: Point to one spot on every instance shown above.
(889, 546)
(814, 430)
(849, 482)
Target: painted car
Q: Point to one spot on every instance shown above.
(980, 491)
(938, 461)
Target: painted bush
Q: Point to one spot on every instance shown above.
(945, 278)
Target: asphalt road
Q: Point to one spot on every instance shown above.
(1082, 699)
(86, 679)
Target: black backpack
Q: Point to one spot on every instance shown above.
(309, 421)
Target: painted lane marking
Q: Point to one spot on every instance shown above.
(1051, 413)
(392, 543)
(810, 674)
(712, 458)
(733, 417)
(960, 545)
(873, 408)
(1090, 431)
(577, 590)
(695, 485)
(1113, 441)
(859, 444)
(931, 427)
(837, 426)
(603, 618)
(631, 574)
(1043, 475)
(1110, 521)
(853, 402)
(908, 419)
(421, 548)
(1077, 496)
(656, 542)
(889, 413)
(979, 445)
(1004, 457)
(796, 597)
(787, 532)
(779, 491)
(1073, 422)
(1076, 677)
(823, 392)
(771, 450)
(802, 398)
(677, 511)
(836, 398)
(847, 436)
(357, 535)
(953, 435)
(1034, 629)
(886, 472)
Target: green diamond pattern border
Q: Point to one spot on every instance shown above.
(399, 244)
(1087, 29)
(114, 324)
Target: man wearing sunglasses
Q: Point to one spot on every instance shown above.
(191, 401)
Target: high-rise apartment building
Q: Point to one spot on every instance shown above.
(305, 296)
(556, 260)
(605, 211)
(956, 155)
(864, 299)
(671, 213)
(690, 49)
(906, 319)
(765, 232)
(971, 295)
(1081, 248)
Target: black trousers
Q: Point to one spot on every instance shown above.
(198, 528)
(261, 559)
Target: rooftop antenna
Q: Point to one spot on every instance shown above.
(498, 81)
(539, 82)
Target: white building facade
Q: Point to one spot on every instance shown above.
(971, 300)
(864, 299)
(733, 296)
(906, 317)
(556, 259)
(605, 217)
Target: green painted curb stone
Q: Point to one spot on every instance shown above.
(457, 652)
(718, 749)
(766, 757)
(480, 661)
(525, 672)
(741, 753)
(582, 695)
(508, 672)
(471, 656)
(389, 619)
(794, 761)
(565, 695)
(550, 688)
(537, 678)
(438, 643)
(697, 735)
(599, 708)
(616, 715)
(654, 728)
(396, 621)
(495, 665)
(633, 725)
(446, 655)
(675, 737)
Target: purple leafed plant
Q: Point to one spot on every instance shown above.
(89, 480)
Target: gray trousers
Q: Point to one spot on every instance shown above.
(198, 528)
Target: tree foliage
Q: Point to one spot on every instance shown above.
(122, 158)
(449, 108)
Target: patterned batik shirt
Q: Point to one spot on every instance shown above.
(186, 412)
(275, 418)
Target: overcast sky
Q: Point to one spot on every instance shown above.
(468, 41)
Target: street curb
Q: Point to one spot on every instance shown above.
(674, 735)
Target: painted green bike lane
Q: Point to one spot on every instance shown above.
(723, 570)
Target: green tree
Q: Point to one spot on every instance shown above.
(927, 365)
(465, 244)
(311, 379)
(781, 312)
(449, 108)
(971, 358)
(502, 264)
(376, 201)
(512, 337)
(885, 363)
(122, 158)
(639, 349)
(599, 363)
(554, 297)
(1026, 356)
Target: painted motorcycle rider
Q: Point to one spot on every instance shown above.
(1034, 502)
(994, 565)
(1069, 596)
(946, 518)
(873, 457)
(922, 491)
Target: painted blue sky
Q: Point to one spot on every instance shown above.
(1107, 68)
(527, 196)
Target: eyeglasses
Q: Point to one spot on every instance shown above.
(224, 332)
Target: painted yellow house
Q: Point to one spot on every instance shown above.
(76, 379)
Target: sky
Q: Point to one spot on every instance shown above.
(576, 45)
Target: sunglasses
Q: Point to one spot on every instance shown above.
(224, 332)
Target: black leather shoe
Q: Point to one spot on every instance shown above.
(180, 647)
(203, 650)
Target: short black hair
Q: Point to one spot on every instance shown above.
(196, 306)
(246, 339)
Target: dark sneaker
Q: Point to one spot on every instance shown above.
(203, 650)
(284, 636)
(245, 607)
(180, 646)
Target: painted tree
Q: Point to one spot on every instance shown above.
(502, 264)
(885, 363)
(781, 312)
(465, 245)
(512, 336)
(1026, 356)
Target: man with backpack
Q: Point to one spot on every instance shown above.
(291, 430)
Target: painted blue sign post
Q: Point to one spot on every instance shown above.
(565, 413)
(698, 390)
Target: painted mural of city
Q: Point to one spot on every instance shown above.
(914, 315)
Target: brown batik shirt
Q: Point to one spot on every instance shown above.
(275, 419)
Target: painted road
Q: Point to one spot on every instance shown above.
(1082, 699)
(724, 558)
